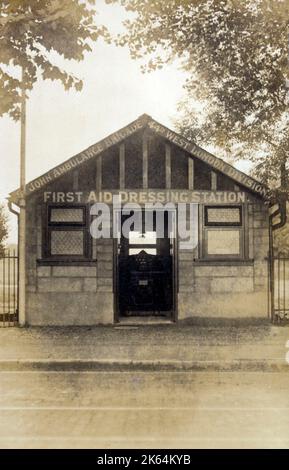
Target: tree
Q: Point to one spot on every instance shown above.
(3, 229)
(236, 55)
(30, 32)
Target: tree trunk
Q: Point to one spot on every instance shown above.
(283, 172)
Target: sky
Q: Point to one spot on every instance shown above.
(60, 124)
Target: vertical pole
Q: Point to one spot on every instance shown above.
(22, 215)
(3, 303)
(14, 285)
(9, 289)
(272, 273)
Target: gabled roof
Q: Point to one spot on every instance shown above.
(142, 122)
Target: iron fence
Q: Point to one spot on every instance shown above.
(8, 288)
(280, 288)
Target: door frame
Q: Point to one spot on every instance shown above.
(175, 244)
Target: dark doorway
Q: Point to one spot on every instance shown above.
(146, 265)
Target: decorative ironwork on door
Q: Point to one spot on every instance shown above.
(145, 284)
(145, 269)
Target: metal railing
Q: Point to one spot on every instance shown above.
(280, 288)
(8, 288)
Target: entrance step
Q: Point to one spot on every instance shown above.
(144, 320)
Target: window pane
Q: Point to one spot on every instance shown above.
(223, 242)
(226, 215)
(147, 238)
(136, 251)
(67, 242)
(63, 214)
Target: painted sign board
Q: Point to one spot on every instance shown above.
(149, 197)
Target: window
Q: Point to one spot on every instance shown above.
(67, 234)
(223, 232)
(142, 242)
(138, 238)
(153, 233)
(223, 215)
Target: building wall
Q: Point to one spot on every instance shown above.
(67, 295)
(228, 289)
(83, 294)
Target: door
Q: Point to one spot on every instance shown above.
(145, 267)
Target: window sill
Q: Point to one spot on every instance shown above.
(223, 262)
(66, 262)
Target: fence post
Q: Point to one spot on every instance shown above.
(271, 274)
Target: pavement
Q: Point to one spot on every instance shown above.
(257, 346)
(147, 387)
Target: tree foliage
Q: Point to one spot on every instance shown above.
(3, 228)
(236, 55)
(31, 31)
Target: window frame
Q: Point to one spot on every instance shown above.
(49, 227)
(223, 227)
(223, 224)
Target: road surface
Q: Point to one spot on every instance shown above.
(144, 409)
